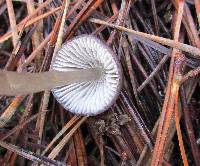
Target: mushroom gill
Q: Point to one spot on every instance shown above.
(89, 97)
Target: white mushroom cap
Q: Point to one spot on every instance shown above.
(92, 97)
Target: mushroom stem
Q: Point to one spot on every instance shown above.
(13, 83)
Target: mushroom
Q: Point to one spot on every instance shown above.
(93, 96)
(85, 77)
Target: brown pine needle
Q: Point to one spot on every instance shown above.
(178, 129)
(63, 142)
(155, 71)
(9, 112)
(13, 24)
(20, 126)
(191, 74)
(197, 6)
(35, 52)
(61, 132)
(168, 42)
(172, 90)
(30, 155)
(61, 30)
(29, 23)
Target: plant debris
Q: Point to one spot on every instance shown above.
(154, 121)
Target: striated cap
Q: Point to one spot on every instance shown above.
(89, 97)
